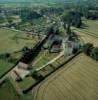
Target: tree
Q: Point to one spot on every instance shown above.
(68, 30)
(33, 15)
(87, 48)
(73, 18)
(2, 19)
(94, 53)
(25, 49)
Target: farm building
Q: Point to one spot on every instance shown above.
(23, 66)
(72, 44)
(54, 43)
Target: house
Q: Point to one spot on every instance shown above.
(56, 46)
(23, 66)
(55, 43)
(72, 44)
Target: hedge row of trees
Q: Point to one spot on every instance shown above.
(7, 57)
(91, 51)
(73, 18)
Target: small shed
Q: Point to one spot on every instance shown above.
(24, 66)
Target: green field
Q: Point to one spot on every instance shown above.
(26, 83)
(4, 66)
(7, 92)
(10, 42)
(43, 58)
(92, 26)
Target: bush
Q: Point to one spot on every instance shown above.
(25, 49)
(87, 48)
(91, 51)
(37, 75)
(5, 56)
(94, 53)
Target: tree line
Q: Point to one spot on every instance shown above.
(91, 51)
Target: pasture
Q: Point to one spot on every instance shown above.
(4, 66)
(7, 91)
(11, 41)
(88, 33)
(77, 80)
(86, 38)
(92, 26)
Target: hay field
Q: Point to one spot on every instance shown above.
(78, 80)
(92, 26)
(86, 38)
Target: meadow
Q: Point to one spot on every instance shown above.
(11, 41)
(92, 26)
(7, 91)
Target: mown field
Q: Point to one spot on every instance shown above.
(92, 26)
(86, 38)
(75, 81)
(88, 33)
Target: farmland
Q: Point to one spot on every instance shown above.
(12, 42)
(10, 92)
(4, 66)
(74, 81)
(92, 26)
(85, 37)
(48, 50)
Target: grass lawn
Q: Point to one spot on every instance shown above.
(43, 58)
(26, 83)
(7, 92)
(4, 66)
(76, 80)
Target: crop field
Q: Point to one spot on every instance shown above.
(7, 92)
(87, 38)
(77, 80)
(89, 33)
(92, 26)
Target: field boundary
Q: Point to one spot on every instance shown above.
(58, 67)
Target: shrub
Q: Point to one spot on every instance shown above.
(94, 53)
(87, 48)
